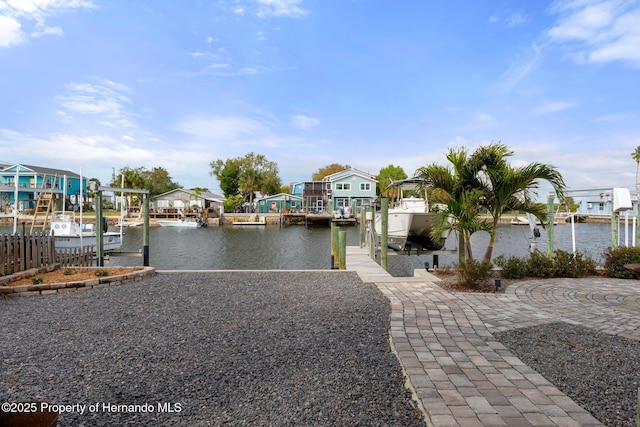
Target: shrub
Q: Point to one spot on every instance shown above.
(474, 274)
(540, 265)
(615, 259)
(564, 264)
(37, 280)
(68, 272)
(512, 267)
(102, 273)
(585, 265)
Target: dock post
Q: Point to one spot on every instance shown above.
(550, 226)
(145, 231)
(343, 250)
(384, 238)
(363, 224)
(98, 228)
(335, 230)
(372, 246)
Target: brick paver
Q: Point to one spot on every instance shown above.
(461, 374)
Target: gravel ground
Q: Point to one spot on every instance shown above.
(232, 348)
(600, 372)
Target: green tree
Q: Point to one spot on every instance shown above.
(247, 175)
(228, 173)
(636, 157)
(285, 189)
(386, 176)
(232, 202)
(156, 180)
(328, 170)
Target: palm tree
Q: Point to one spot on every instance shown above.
(485, 180)
(460, 193)
(636, 157)
(507, 188)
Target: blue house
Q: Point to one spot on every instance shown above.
(351, 187)
(279, 203)
(28, 181)
(598, 202)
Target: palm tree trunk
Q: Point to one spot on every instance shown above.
(492, 240)
(462, 246)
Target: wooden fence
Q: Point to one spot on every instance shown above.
(19, 252)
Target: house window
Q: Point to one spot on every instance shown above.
(365, 186)
(343, 186)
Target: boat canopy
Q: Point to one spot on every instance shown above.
(410, 183)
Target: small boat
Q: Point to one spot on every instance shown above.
(71, 234)
(527, 221)
(187, 223)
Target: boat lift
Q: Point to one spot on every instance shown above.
(98, 189)
(620, 202)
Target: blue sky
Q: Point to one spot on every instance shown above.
(99, 85)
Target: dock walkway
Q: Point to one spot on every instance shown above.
(460, 374)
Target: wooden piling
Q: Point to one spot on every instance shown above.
(384, 237)
(342, 264)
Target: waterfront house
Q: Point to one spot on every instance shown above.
(351, 187)
(598, 202)
(29, 181)
(279, 203)
(188, 201)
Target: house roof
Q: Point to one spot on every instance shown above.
(40, 170)
(349, 172)
(207, 195)
(280, 196)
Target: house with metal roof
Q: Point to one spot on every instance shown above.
(189, 201)
(23, 183)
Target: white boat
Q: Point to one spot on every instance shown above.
(530, 219)
(187, 223)
(410, 220)
(70, 234)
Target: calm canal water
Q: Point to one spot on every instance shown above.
(297, 247)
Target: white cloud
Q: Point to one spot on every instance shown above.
(554, 107)
(227, 129)
(519, 69)
(515, 20)
(483, 117)
(87, 98)
(303, 122)
(288, 8)
(15, 15)
(598, 30)
(49, 31)
(10, 32)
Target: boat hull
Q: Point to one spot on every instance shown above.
(184, 224)
(111, 241)
(411, 227)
